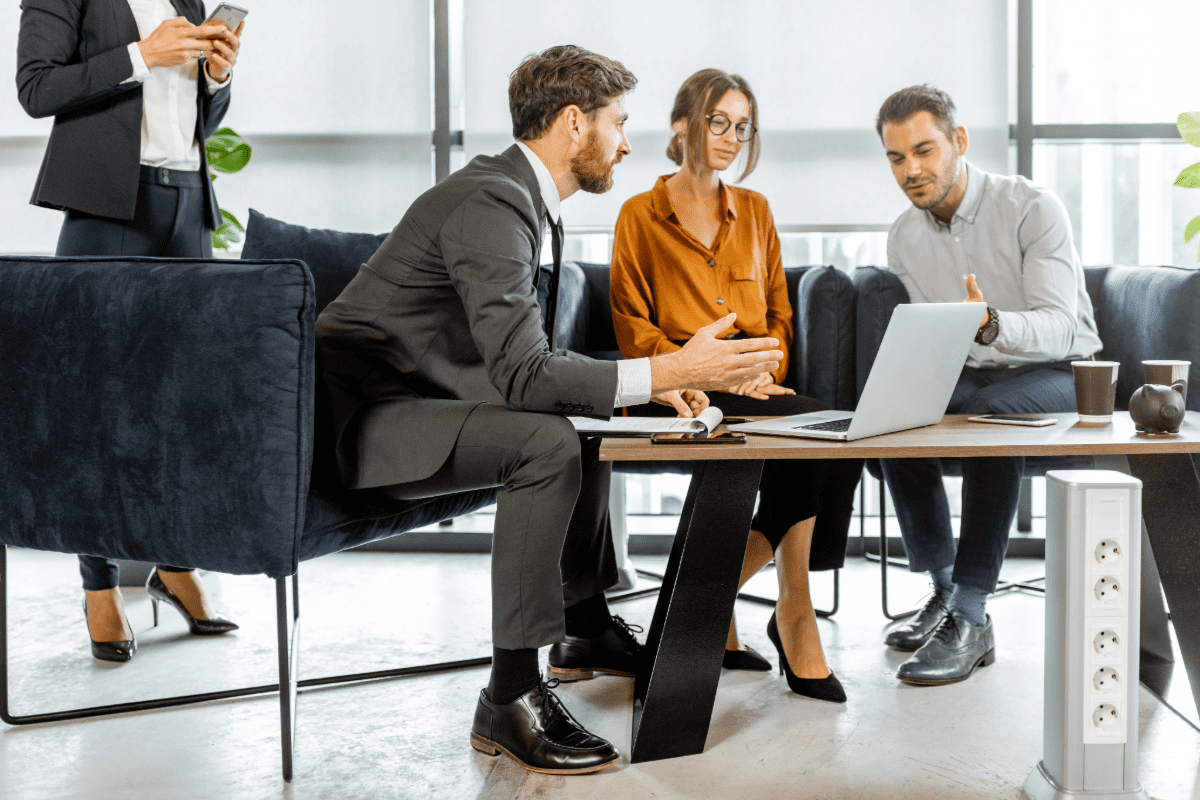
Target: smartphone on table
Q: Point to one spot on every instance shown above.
(698, 437)
(228, 15)
(1014, 419)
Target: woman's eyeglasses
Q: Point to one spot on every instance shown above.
(719, 123)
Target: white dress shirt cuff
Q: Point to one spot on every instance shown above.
(215, 86)
(140, 71)
(633, 382)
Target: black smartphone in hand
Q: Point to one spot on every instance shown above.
(725, 437)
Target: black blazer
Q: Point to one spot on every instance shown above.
(442, 317)
(72, 57)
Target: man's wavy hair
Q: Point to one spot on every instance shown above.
(547, 82)
(907, 102)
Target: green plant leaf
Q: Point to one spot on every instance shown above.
(1189, 127)
(230, 231)
(1189, 178)
(227, 151)
(1191, 230)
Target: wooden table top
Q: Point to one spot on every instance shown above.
(953, 436)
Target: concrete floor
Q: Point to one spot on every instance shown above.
(408, 738)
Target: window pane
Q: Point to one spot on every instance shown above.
(1123, 207)
(819, 70)
(1098, 61)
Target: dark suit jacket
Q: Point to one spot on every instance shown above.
(72, 57)
(445, 316)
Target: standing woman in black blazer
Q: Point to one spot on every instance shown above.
(135, 88)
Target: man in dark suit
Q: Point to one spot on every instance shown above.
(135, 88)
(441, 379)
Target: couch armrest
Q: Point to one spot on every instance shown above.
(157, 409)
(823, 341)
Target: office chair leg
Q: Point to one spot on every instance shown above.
(289, 661)
(884, 561)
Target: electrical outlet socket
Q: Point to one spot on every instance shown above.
(1108, 553)
(1107, 680)
(1107, 643)
(1108, 591)
(1106, 719)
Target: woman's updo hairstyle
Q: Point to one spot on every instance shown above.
(694, 102)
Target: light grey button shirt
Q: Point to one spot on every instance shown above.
(1016, 238)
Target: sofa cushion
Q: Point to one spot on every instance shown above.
(333, 257)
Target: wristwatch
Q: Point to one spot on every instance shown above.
(989, 330)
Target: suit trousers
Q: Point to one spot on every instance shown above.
(990, 486)
(552, 542)
(170, 221)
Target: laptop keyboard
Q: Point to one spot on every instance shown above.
(837, 426)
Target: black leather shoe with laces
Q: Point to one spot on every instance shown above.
(917, 630)
(953, 652)
(538, 733)
(615, 652)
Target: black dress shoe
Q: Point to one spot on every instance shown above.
(749, 659)
(615, 652)
(828, 688)
(119, 652)
(538, 733)
(953, 652)
(916, 632)
(159, 593)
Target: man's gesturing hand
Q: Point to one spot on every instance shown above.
(177, 42)
(707, 362)
(975, 296)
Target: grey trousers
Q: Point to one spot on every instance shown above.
(552, 545)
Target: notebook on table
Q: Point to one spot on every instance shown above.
(915, 371)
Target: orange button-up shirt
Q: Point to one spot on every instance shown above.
(666, 285)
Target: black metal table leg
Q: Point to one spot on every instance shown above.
(1171, 511)
(675, 691)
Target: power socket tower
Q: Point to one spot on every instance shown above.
(1093, 590)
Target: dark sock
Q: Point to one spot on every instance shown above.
(589, 618)
(970, 602)
(943, 578)
(514, 672)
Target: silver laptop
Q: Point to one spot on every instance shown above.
(910, 385)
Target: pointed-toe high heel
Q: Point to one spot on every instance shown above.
(159, 593)
(749, 659)
(120, 651)
(827, 688)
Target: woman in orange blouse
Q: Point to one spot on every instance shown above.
(688, 252)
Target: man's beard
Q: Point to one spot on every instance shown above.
(590, 169)
(941, 190)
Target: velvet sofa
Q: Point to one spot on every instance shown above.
(164, 410)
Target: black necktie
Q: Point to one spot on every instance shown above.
(556, 237)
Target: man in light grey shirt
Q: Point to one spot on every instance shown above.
(997, 237)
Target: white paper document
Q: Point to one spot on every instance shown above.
(706, 420)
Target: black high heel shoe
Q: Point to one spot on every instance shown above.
(119, 652)
(827, 688)
(749, 659)
(159, 592)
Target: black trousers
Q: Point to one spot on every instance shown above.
(795, 489)
(552, 543)
(169, 221)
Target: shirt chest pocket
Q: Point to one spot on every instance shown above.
(748, 284)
